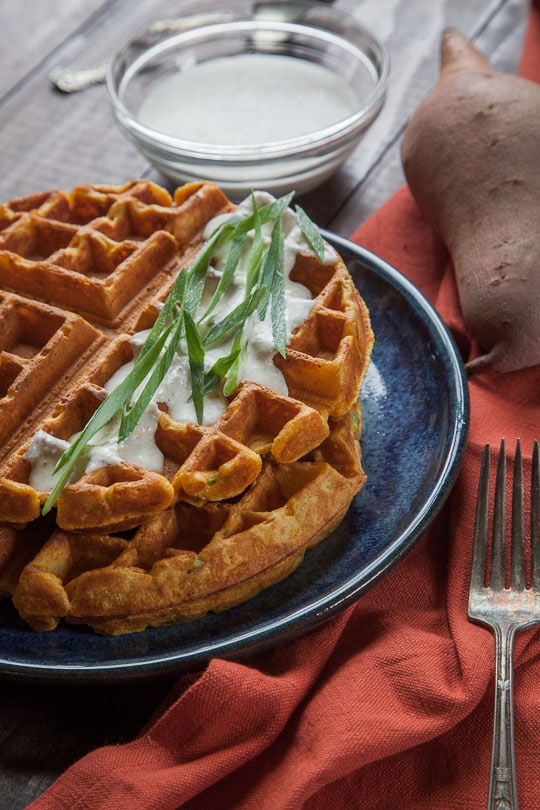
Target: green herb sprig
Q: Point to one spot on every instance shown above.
(311, 233)
(108, 409)
(178, 320)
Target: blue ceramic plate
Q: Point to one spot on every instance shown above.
(415, 408)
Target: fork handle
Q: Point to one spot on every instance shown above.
(502, 785)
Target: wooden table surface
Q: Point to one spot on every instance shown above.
(53, 140)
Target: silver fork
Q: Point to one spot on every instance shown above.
(505, 610)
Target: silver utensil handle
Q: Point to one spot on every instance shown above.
(71, 80)
(503, 786)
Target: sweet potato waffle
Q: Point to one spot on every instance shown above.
(237, 501)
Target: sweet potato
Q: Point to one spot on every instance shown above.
(471, 156)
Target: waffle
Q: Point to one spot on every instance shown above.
(237, 500)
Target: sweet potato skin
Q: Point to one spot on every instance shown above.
(471, 156)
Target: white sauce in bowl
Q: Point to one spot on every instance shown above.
(250, 98)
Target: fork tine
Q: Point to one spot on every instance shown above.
(496, 580)
(505, 610)
(535, 518)
(481, 525)
(517, 559)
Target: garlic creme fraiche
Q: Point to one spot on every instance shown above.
(175, 389)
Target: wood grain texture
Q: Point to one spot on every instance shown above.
(30, 32)
(412, 36)
(51, 140)
(44, 729)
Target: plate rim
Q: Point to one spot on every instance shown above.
(265, 635)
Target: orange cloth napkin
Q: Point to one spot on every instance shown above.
(389, 704)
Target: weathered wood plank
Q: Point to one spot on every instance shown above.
(52, 140)
(29, 31)
(44, 729)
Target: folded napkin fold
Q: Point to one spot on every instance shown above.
(389, 704)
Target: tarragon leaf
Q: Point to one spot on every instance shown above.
(273, 256)
(233, 259)
(311, 233)
(215, 374)
(235, 317)
(233, 377)
(196, 364)
(278, 308)
(257, 249)
(197, 271)
(131, 415)
(267, 213)
(166, 313)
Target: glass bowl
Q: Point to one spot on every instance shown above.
(175, 97)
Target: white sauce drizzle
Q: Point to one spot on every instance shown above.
(247, 99)
(175, 390)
